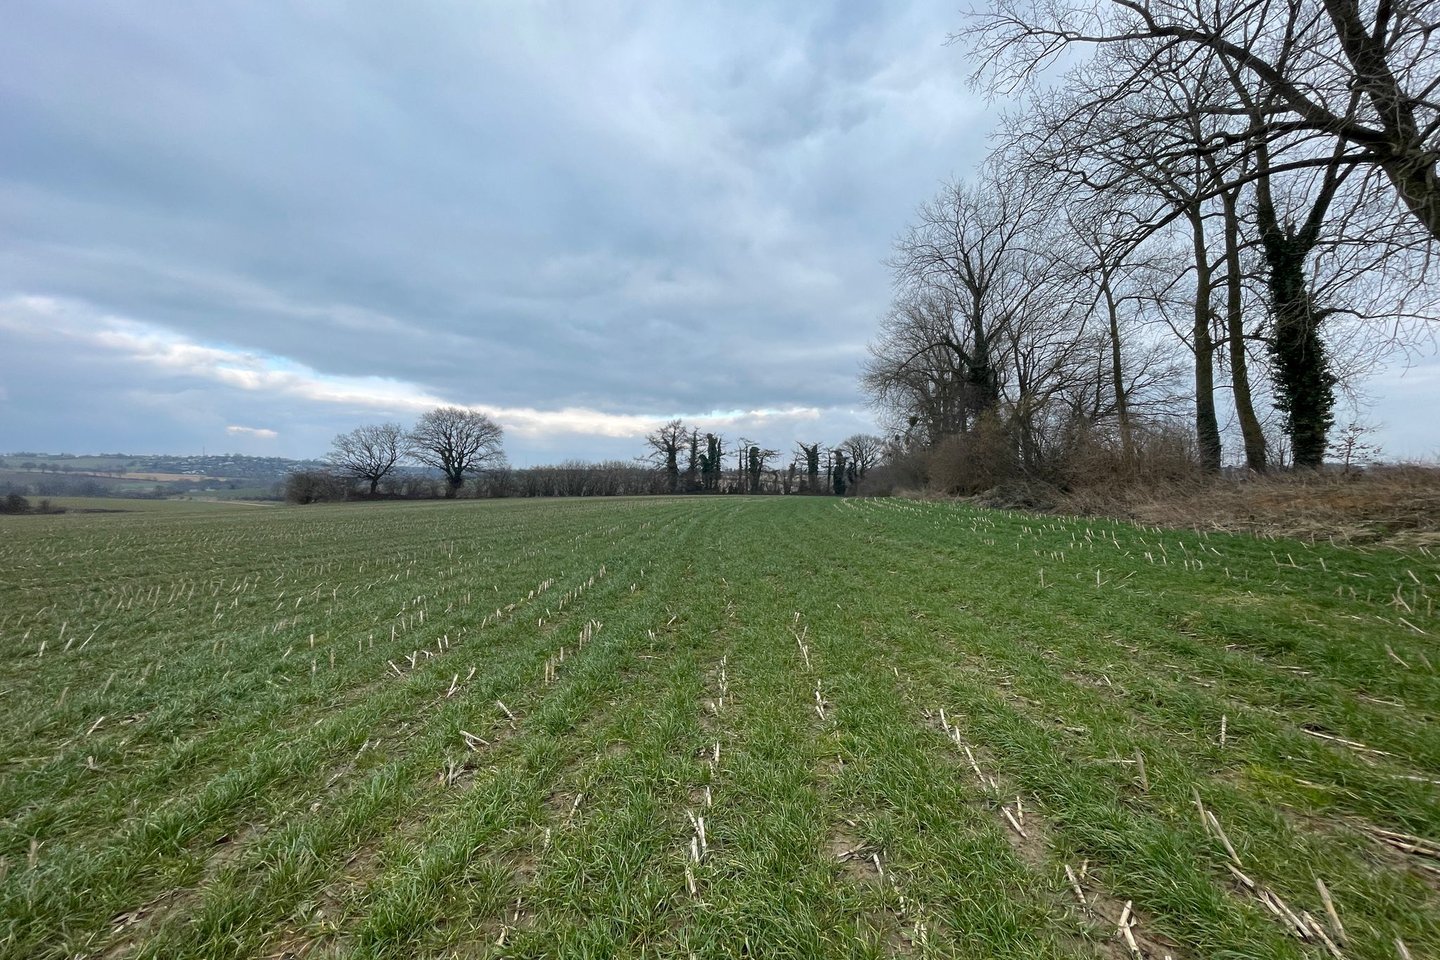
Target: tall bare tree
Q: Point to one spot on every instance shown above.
(988, 331)
(665, 443)
(368, 453)
(456, 441)
(864, 450)
(964, 260)
(914, 370)
(1360, 73)
(756, 459)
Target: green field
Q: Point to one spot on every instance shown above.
(709, 727)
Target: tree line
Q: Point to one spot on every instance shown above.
(688, 460)
(1203, 234)
(456, 442)
(453, 451)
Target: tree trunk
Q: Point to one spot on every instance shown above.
(983, 382)
(1207, 424)
(692, 465)
(1117, 375)
(1305, 388)
(1256, 456)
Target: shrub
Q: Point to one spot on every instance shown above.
(979, 459)
(1159, 454)
(314, 486)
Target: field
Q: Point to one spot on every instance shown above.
(710, 727)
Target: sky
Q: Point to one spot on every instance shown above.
(248, 227)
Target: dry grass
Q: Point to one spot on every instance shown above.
(1397, 505)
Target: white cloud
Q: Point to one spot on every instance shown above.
(259, 433)
(123, 339)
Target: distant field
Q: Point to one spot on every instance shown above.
(709, 727)
(143, 505)
(162, 476)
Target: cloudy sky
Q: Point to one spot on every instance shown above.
(247, 227)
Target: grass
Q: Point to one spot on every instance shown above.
(82, 505)
(908, 729)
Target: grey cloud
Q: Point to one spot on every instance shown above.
(635, 209)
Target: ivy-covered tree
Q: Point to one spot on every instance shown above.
(756, 466)
(710, 465)
(692, 464)
(811, 454)
(665, 442)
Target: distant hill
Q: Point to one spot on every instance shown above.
(145, 475)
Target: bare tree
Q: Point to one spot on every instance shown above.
(1353, 447)
(368, 453)
(1125, 135)
(810, 453)
(988, 331)
(756, 459)
(1360, 73)
(455, 441)
(960, 257)
(915, 372)
(864, 450)
(666, 442)
(313, 486)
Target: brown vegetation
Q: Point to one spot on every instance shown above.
(1393, 505)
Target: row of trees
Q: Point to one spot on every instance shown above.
(453, 440)
(689, 461)
(573, 478)
(464, 447)
(1224, 214)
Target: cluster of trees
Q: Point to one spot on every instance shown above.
(457, 442)
(15, 504)
(59, 486)
(573, 478)
(1220, 217)
(463, 448)
(689, 461)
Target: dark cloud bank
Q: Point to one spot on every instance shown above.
(250, 226)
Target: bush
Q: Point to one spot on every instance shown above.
(980, 459)
(878, 482)
(14, 503)
(314, 486)
(1159, 454)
